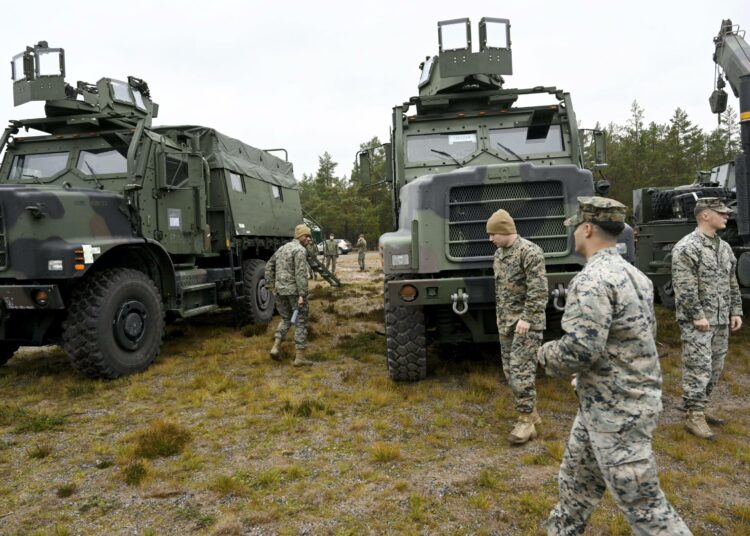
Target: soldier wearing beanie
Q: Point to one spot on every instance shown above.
(286, 277)
(521, 297)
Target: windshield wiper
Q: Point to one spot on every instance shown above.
(509, 150)
(93, 175)
(443, 153)
(36, 179)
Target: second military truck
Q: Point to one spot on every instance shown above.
(109, 226)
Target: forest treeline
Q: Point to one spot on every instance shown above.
(639, 154)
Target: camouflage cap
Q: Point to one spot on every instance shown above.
(714, 203)
(597, 209)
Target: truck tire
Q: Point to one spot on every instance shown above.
(115, 324)
(256, 304)
(661, 202)
(666, 294)
(406, 342)
(7, 349)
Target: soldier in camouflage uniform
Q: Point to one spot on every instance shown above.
(708, 304)
(286, 277)
(521, 297)
(331, 252)
(312, 250)
(609, 343)
(361, 251)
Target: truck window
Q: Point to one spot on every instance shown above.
(238, 185)
(102, 162)
(276, 191)
(38, 166)
(517, 139)
(422, 147)
(177, 169)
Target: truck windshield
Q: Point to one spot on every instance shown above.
(517, 139)
(424, 147)
(102, 162)
(37, 166)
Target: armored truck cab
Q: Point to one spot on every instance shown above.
(110, 226)
(460, 150)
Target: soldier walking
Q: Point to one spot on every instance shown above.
(361, 251)
(331, 252)
(312, 251)
(521, 297)
(286, 277)
(708, 304)
(609, 343)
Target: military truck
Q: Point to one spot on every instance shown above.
(111, 226)
(664, 215)
(468, 148)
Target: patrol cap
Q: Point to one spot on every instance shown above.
(713, 203)
(597, 209)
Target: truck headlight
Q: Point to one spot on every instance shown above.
(622, 248)
(400, 260)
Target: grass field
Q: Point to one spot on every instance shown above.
(215, 438)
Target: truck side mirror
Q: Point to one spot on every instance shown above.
(364, 166)
(600, 149)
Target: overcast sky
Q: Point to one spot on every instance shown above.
(324, 76)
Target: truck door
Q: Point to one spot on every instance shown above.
(181, 202)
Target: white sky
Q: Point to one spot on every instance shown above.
(324, 75)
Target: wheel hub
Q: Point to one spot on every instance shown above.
(263, 296)
(130, 324)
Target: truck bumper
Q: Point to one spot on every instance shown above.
(30, 297)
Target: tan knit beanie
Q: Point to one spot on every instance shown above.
(301, 230)
(501, 223)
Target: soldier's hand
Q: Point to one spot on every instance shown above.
(522, 327)
(735, 323)
(701, 325)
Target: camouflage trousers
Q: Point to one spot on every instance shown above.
(331, 263)
(286, 305)
(361, 260)
(621, 462)
(518, 354)
(703, 354)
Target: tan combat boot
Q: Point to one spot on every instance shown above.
(535, 418)
(275, 352)
(696, 425)
(712, 418)
(523, 430)
(300, 361)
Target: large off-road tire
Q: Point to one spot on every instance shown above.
(666, 294)
(256, 304)
(115, 323)
(7, 349)
(661, 201)
(406, 341)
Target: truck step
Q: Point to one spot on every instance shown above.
(196, 288)
(199, 310)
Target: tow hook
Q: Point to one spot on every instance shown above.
(558, 297)
(460, 302)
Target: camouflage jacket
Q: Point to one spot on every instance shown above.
(312, 249)
(331, 248)
(286, 271)
(520, 285)
(705, 280)
(610, 341)
(362, 245)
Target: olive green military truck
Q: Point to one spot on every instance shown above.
(463, 148)
(109, 227)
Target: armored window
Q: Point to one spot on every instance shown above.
(177, 169)
(523, 141)
(37, 166)
(276, 192)
(48, 63)
(434, 147)
(238, 183)
(121, 92)
(139, 100)
(17, 68)
(102, 162)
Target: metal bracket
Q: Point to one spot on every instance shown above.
(558, 297)
(460, 302)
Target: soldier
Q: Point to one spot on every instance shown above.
(361, 251)
(521, 298)
(312, 250)
(331, 251)
(708, 304)
(609, 343)
(286, 277)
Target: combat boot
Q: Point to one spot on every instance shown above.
(712, 418)
(300, 361)
(696, 425)
(275, 352)
(523, 430)
(535, 418)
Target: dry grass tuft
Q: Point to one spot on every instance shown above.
(306, 408)
(253, 330)
(66, 490)
(385, 452)
(40, 450)
(229, 485)
(160, 440)
(134, 473)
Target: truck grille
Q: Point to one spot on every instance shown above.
(538, 209)
(3, 241)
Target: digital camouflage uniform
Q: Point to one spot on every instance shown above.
(361, 251)
(331, 252)
(286, 275)
(609, 342)
(520, 294)
(312, 250)
(705, 286)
